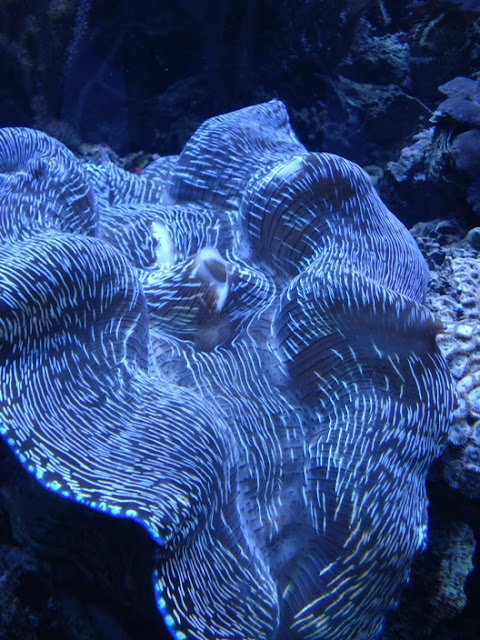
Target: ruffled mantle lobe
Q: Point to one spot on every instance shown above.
(231, 349)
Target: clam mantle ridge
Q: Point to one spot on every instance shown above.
(232, 350)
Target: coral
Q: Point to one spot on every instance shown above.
(465, 151)
(232, 351)
(410, 164)
(473, 237)
(461, 87)
(443, 161)
(457, 125)
(461, 112)
(454, 298)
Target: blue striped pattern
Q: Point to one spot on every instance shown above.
(232, 350)
(42, 187)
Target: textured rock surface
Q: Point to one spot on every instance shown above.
(455, 299)
(436, 596)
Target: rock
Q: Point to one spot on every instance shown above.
(473, 237)
(466, 151)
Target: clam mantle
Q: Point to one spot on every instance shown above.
(232, 350)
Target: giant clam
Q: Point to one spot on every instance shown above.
(232, 350)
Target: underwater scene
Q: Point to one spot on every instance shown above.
(240, 320)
